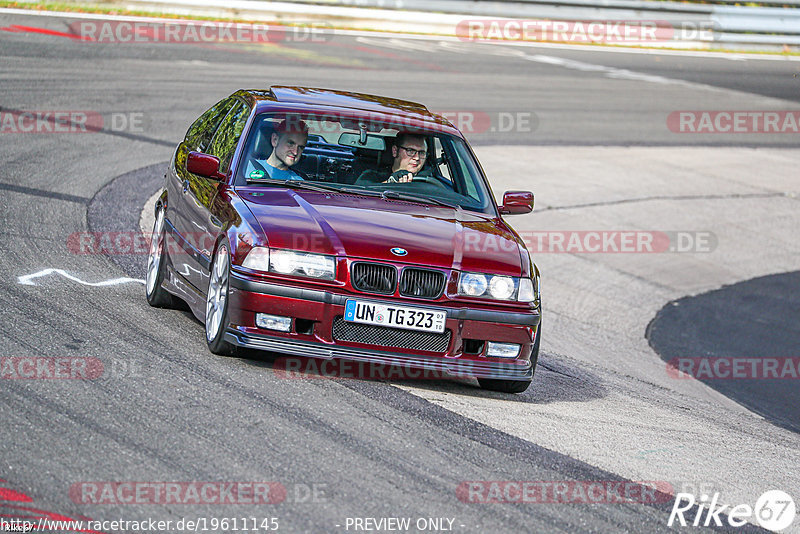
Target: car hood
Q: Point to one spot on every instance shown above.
(369, 228)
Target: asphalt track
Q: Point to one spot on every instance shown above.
(603, 407)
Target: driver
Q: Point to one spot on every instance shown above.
(409, 152)
(288, 141)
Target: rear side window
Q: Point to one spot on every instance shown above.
(200, 133)
(228, 133)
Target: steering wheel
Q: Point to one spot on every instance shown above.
(428, 180)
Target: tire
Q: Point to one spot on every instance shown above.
(217, 302)
(515, 386)
(157, 296)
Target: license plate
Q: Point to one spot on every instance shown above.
(359, 311)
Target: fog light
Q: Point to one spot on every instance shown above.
(502, 350)
(273, 322)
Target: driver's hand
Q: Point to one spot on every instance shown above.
(400, 176)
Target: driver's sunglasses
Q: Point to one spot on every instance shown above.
(412, 153)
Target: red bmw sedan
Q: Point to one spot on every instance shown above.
(337, 225)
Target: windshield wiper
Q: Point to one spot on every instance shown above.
(361, 191)
(396, 195)
(295, 184)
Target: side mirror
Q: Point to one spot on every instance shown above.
(204, 165)
(517, 202)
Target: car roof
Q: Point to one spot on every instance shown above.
(310, 99)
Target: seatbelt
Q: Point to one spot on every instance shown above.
(260, 167)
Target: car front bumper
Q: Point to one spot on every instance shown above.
(319, 310)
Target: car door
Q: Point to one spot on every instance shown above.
(205, 216)
(182, 237)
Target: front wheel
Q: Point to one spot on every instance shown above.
(157, 296)
(515, 386)
(217, 302)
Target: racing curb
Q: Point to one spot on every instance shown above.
(369, 20)
(339, 17)
(148, 216)
(118, 207)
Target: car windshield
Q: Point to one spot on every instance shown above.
(359, 157)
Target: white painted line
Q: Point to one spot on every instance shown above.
(614, 72)
(451, 46)
(611, 72)
(409, 44)
(400, 44)
(27, 280)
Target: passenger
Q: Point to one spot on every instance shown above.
(288, 141)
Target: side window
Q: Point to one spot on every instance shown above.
(230, 130)
(201, 132)
(456, 169)
(467, 171)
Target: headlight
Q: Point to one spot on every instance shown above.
(501, 287)
(283, 262)
(291, 262)
(529, 287)
(302, 264)
(257, 259)
(526, 293)
(317, 266)
(497, 287)
(472, 284)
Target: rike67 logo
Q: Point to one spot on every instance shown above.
(774, 510)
